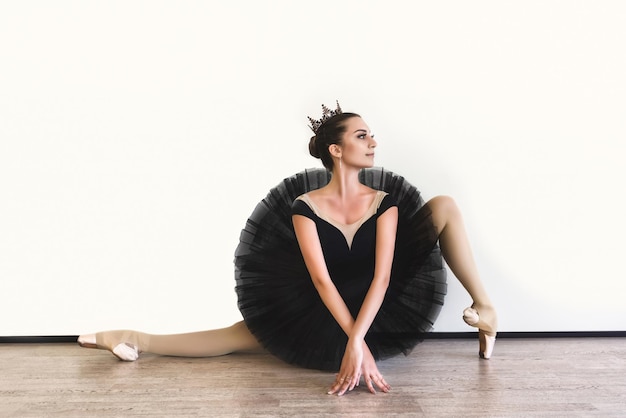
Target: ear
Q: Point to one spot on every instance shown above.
(335, 150)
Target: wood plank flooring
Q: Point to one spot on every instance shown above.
(442, 378)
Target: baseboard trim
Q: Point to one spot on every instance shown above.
(529, 334)
(429, 336)
(39, 339)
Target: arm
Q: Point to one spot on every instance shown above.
(357, 353)
(311, 249)
(358, 360)
(356, 349)
(386, 227)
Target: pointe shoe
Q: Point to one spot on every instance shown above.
(87, 341)
(124, 351)
(486, 344)
(487, 330)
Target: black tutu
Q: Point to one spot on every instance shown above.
(280, 304)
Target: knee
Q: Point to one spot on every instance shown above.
(443, 207)
(443, 202)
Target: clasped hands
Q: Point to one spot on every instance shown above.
(358, 362)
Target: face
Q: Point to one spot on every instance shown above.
(357, 148)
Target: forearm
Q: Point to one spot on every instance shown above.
(310, 246)
(385, 243)
(308, 239)
(369, 309)
(334, 302)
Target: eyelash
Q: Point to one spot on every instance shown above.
(362, 136)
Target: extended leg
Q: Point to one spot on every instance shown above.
(127, 345)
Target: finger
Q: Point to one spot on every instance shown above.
(345, 385)
(340, 385)
(353, 383)
(370, 386)
(336, 384)
(382, 384)
(333, 389)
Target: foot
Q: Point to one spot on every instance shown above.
(123, 344)
(485, 319)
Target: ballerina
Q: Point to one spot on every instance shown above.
(350, 307)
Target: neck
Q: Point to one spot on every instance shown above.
(345, 182)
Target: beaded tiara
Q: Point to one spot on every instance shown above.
(326, 114)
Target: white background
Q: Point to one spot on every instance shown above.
(137, 137)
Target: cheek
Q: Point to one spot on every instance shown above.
(352, 148)
(348, 150)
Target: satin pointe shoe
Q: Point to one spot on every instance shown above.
(124, 351)
(486, 329)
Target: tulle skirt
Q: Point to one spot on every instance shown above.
(282, 308)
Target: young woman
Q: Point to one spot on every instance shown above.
(352, 307)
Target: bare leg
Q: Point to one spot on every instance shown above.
(456, 250)
(127, 345)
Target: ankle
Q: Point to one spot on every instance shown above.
(111, 339)
(124, 344)
(483, 317)
(488, 318)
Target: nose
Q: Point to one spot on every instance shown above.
(373, 143)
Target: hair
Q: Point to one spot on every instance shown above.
(329, 133)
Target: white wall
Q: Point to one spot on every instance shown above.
(136, 138)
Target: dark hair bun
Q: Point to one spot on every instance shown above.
(313, 147)
(328, 133)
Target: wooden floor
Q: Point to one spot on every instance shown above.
(526, 377)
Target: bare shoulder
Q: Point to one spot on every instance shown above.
(316, 196)
(368, 191)
(317, 192)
